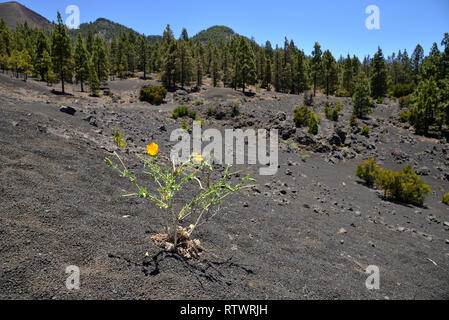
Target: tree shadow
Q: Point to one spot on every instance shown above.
(60, 93)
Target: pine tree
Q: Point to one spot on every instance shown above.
(209, 55)
(361, 97)
(215, 68)
(417, 59)
(277, 71)
(61, 52)
(25, 66)
(199, 64)
(316, 66)
(330, 73)
(14, 61)
(430, 67)
(143, 53)
(301, 79)
(89, 41)
(226, 66)
(168, 64)
(94, 82)
(378, 75)
(184, 62)
(81, 59)
(5, 45)
(46, 66)
(445, 57)
(100, 59)
(348, 75)
(41, 46)
(184, 35)
(267, 73)
(425, 106)
(246, 65)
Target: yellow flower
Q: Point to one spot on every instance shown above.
(197, 157)
(153, 149)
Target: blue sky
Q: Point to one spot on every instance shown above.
(338, 25)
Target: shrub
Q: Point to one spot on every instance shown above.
(200, 121)
(361, 98)
(153, 94)
(198, 102)
(180, 112)
(119, 138)
(235, 110)
(400, 90)
(404, 116)
(446, 199)
(353, 122)
(314, 122)
(342, 93)
(192, 115)
(368, 171)
(302, 116)
(365, 131)
(339, 107)
(380, 100)
(404, 102)
(185, 127)
(308, 99)
(404, 186)
(328, 111)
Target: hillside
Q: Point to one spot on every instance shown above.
(217, 33)
(102, 27)
(14, 13)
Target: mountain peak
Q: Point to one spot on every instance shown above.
(13, 13)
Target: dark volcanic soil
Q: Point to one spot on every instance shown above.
(60, 205)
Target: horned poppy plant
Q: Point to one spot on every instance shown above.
(153, 149)
(196, 173)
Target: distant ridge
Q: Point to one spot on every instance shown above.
(14, 13)
(216, 33)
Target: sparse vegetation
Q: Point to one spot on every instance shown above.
(445, 199)
(153, 94)
(404, 186)
(404, 116)
(308, 99)
(119, 138)
(302, 116)
(180, 112)
(314, 122)
(365, 131)
(185, 127)
(368, 171)
(400, 90)
(353, 122)
(342, 93)
(235, 111)
(361, 98)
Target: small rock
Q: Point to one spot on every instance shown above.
(68, 110)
